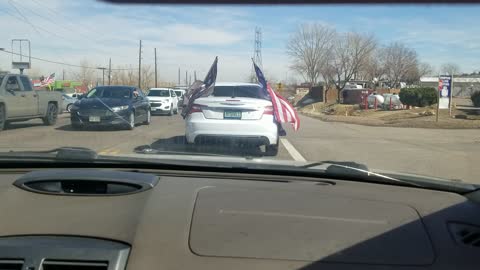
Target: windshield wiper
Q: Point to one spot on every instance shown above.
(61, 153)
(357, 170)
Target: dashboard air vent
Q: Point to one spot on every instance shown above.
(466, 234)
(11, 264)
(86, 182)
(73, 265)
(49, 252)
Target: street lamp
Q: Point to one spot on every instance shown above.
(103, 74)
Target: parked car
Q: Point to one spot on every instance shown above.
(237, 111)
(68, 102)
(19, 102)
(111, 105)
(163, 100)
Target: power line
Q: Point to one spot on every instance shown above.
(47, 18)
(56, 12)
(34, 27)
(61, 63)
(25, 18)
(56, 24)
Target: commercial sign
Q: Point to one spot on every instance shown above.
(444, 91)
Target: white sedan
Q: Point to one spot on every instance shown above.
(238, 111)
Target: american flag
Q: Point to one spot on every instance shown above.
(282, 109)
(48, 80)
(199, 89)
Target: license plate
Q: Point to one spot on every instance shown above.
(94, 118)
(232, 115)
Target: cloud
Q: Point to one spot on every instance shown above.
(187, 34)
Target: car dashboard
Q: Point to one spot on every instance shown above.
(120, 219)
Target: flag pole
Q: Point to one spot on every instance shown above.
(450, 98)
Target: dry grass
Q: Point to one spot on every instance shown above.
(418, 117)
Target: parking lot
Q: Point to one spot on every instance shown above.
(449, 154)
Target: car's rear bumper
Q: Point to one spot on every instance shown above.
(156, 107)
(239, 139)
(159, 110)
(114, 120)
(264, 131)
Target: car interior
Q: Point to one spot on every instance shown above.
(109, 217)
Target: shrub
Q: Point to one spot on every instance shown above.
(419, 97)
(475, 98)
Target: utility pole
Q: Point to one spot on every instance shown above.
(140, 65)
(195, 75)
(103, 74)
(63, 74)
(109, 70)
(186, 78)
(190, 80)
(155, 50)
(178, 76)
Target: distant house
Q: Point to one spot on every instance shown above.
(462, 86)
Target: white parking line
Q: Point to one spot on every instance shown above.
(292, 151)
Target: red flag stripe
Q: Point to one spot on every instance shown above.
(283, 110)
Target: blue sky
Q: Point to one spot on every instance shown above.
(189, 37)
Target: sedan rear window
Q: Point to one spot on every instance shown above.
(239, 91)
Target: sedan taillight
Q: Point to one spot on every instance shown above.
(268, 110)
(195, 108)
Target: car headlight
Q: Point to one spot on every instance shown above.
(167, 100)
(119, 108)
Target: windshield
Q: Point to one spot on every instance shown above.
(110, 92)
(159, 93)
(395, 88)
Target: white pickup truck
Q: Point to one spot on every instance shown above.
(20, 102)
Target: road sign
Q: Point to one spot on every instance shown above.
(444, 91)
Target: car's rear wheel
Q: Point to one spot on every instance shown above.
(51, 117)
(170, 113)
(271, 150)
(148, 119)
(2, 117)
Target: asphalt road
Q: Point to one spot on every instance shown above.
(452, 154)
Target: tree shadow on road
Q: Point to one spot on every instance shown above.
(178, 144)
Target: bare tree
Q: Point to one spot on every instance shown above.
(148, 77)
(414, 74)
(425, 69)
(373, 70)
(308, 48)
(85, 74)
(128, 75)
(347, 57)
(34, 73)
(450, 68)
(399, 62)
